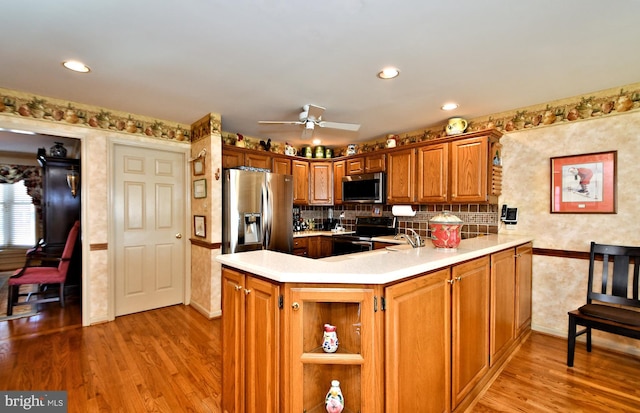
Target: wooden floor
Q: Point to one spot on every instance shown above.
(168, 360)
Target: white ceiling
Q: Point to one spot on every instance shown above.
(264, 59)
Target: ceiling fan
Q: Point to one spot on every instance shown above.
(310, 117)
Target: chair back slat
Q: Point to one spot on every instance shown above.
(619, 282)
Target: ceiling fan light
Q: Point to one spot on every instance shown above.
(388, 73)
(309, 125)
(449, 106)
(76, 66)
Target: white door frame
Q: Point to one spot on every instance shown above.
(153, 145)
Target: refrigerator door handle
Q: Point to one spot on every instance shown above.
(266, 213)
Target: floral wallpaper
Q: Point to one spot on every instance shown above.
(55, 110)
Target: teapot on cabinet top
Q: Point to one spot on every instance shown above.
(456, 126)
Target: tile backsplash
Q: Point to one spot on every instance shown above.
(478, 219)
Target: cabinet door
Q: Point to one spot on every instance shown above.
(313, 247)
(326, 246)
(258, 160)
(400, 176)
(300, 171)
(374, 163)
(262, 328)
(417, 344)
(353, 364)
(433, 173)
(503, 292)
(233, 378)
(281, 166)
(469, 326)
(524, 258)
(232, 158)
(355, 166)
(321, 179)
(469, 168)
(339, 169)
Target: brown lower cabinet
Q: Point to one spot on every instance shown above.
(250, 344)
(418, 345)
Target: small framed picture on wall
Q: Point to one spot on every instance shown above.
(200, 188)
(200, 226)
(198, 166)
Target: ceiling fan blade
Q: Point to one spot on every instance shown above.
(283, 122)
(314, 112)
(337, 125)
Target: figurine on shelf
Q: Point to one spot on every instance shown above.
(330, 339)
(334, 402)
(58, 150)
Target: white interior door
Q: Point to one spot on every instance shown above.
(148, 217)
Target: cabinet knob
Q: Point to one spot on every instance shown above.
(458, 278)
(247, 291)
(238, 287)
(295, 306)
(451, 281)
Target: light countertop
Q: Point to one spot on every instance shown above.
(380, 266)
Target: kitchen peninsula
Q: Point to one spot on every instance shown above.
(419, 329)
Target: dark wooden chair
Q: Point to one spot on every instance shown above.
(42, 274)
(612, 299)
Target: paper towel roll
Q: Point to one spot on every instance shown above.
(403, 211)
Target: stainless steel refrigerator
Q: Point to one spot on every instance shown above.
(257, 211)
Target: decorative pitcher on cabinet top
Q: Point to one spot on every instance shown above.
(456, 126)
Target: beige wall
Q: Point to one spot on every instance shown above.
(559, 284)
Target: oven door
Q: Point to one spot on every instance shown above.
(343, 246)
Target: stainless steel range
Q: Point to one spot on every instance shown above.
(366, 228)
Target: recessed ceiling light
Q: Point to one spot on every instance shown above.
(388, 73)
(76, 66)
(450, 106)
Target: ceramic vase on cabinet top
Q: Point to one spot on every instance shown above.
(58, 150)
(456, 126)
(330, 339)
(334, 402)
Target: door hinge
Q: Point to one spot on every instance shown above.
(383, 304)
(280, 302)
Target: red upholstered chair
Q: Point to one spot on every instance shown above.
(42, 275)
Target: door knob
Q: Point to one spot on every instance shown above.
(178, 235)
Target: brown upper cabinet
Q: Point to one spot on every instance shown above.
(321, 183)
(433, 173)
(366, 164)
(281, 166)
(464, 168)
(339, 171)
(300, 172)
(401, 176)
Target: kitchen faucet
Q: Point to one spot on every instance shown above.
(415, 241)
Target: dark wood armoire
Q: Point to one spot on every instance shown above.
(60, 209)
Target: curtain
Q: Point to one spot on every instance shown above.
(32, 178)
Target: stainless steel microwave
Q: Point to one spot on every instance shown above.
(365, 188)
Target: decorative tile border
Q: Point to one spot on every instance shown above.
(14, 103)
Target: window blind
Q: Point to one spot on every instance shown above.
(17, 216)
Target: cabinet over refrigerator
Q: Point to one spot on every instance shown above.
(257, 211)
